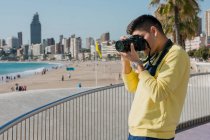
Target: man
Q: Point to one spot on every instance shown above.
(160, 84)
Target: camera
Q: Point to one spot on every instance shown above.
(124, 45)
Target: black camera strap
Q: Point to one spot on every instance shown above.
(152, 68)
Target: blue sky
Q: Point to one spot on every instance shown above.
(81, 17)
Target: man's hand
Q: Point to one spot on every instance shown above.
(132, 57)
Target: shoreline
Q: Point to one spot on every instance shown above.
(12, 76)
(107, 72)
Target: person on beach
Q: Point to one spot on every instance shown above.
(159, 83)
(12, 89)
(62, 78)
(79, 85)
(69, 75)
(16, 86)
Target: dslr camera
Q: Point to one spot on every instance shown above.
(124, 45)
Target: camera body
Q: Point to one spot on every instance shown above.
(124, 45)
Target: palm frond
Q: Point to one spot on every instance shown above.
(154, 2)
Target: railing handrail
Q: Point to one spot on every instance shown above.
(52, 104)
(198, 74)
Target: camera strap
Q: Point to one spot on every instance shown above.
(152, 68)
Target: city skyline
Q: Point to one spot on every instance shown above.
(83, 18)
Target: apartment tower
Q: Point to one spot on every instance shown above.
(35, 30)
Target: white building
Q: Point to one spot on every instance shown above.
(108, 49)
(92, 49)
(83, 56)
(76, 45)
(208, 27)
(36, 49)
(59, 56)
(13, 42)
(50, 49)
(66, 45)
(6, 48)
(195, 43)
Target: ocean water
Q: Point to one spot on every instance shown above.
(23, 69)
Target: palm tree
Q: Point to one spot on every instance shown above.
(179, 17)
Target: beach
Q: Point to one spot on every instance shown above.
(84, 74)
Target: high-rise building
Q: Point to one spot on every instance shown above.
(60, 38)
(25, 51)
(199, 31)
(75, 46)
(35, 30)
(50, 41)
(44, 42)
(2, 42)
(20, 38)
(13, 42)
(79, 44)
(73, 36)
(58, 48)
(89, 42)
(66, 45)
(208, 26)
(105, 37)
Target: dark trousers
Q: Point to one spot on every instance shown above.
(130, 137)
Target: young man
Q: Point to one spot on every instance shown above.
(160, 84)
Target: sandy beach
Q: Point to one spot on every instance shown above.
(107, 73)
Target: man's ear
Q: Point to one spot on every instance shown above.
(153, 30)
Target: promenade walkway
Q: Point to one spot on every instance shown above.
(17, 103)
(197, 133)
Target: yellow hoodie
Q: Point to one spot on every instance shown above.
(159, 100)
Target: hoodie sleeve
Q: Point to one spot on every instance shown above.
(131, 81)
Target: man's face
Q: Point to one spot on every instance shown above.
(149, 37)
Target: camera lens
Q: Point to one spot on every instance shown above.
(119, 46)
(124, 45)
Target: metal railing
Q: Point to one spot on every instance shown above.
(100, 114)
(95, 114)
(196, 109)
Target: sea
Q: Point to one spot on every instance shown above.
(23, 69)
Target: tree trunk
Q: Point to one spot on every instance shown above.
(182, 42)
(176, 25)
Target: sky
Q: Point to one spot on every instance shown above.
(84, 18)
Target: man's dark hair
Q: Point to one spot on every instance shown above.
(144, 22)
